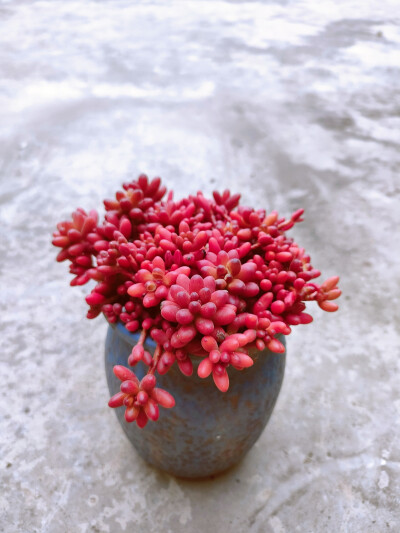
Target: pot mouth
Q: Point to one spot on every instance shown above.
(150, 344)
(131, 338)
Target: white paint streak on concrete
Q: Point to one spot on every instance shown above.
(383, 480)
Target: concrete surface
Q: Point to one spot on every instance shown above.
(292, 103)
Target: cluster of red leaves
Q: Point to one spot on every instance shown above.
(202, 277)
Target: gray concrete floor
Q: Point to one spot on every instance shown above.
(293, 104)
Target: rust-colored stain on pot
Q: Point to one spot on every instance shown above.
(234, 400)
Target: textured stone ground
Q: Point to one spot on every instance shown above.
(292, 103)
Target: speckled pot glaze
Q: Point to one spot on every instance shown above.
(207, 431)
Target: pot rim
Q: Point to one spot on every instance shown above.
(132, 338)
(129, 337)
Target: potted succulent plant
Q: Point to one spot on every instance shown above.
(199, 295)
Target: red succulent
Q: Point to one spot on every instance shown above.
(140, 398)
(202, 277)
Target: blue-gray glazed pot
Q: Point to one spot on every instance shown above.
(207, 431)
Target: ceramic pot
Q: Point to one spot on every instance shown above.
(207, 431)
